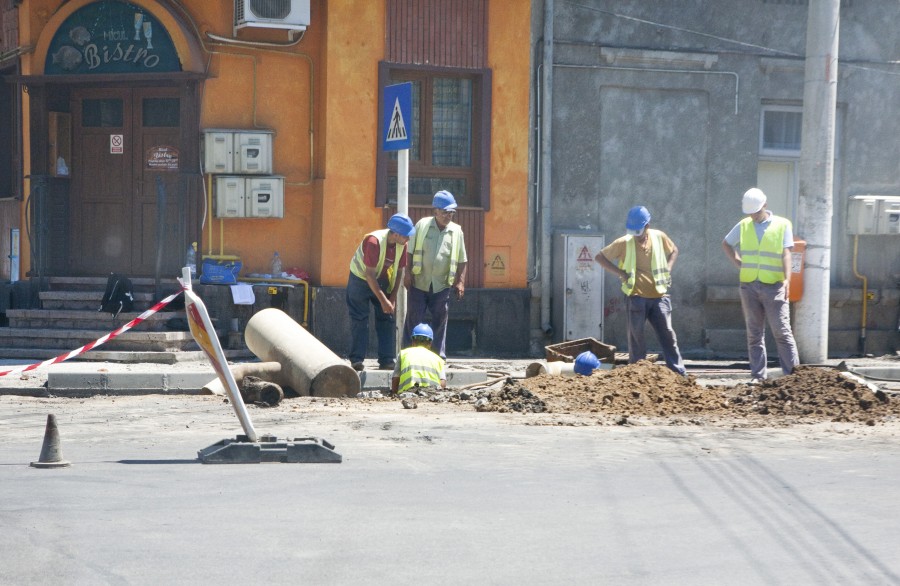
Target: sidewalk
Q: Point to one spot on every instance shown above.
(80, 378)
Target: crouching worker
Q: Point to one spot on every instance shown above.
(417, 366)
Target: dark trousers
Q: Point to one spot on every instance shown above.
(659, 313)
(437, 304)
(359, 298)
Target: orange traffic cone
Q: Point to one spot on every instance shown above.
(51, 455)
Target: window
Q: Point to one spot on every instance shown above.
(161, 112)
(102, 113)
(780, 130)
(449, 135)
(777, 172)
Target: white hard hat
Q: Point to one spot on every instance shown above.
(754, 200)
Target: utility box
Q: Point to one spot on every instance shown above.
(889, 216)
(229, 150)
(577, 286)
(874, 215)
(264, 197)
(253, 152)
(230, 196)
(218, 151)
(239, 196)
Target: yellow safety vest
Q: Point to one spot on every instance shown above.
(762, 261)
(419, 248)
(358, 265)
(419, 367)
(659, 264)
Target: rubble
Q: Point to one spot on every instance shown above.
(651, 393)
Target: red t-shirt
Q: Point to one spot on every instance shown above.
(372, 250)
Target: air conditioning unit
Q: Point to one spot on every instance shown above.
(292, 15)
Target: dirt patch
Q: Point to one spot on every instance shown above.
(650, 392)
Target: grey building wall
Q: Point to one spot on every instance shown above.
(659, 104)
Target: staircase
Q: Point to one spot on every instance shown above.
(68, 319)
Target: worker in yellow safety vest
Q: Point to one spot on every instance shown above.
(760, 246)
(645, 257)
(437, 269)
(417, 366)
(376, 271)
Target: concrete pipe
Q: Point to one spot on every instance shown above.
(552, 368)
(270, 371)
(307, 365)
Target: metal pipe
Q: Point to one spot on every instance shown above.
(865, 297)
(546, 184)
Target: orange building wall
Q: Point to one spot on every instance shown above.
(323, 92)
(509, 58)
(353, 50)
(354, 46)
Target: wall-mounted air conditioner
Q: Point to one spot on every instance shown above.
(292, 15)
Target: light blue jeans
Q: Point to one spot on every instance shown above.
(762, 302)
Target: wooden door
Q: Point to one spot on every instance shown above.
(123, 138)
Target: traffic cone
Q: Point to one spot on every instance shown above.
(51, 455)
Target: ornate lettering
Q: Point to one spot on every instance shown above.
(91, 56)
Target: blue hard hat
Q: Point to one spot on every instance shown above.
(423, 331)
(638, 217)
(402, 225)
(586, 362)
(444, 200)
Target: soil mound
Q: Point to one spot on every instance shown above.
(646, 390)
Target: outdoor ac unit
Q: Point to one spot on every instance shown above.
(281, 14)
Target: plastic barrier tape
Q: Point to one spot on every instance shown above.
(98, 341)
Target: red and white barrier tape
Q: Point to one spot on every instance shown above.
(98, 341)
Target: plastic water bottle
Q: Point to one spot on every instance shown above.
(190, 259)
(276, 265)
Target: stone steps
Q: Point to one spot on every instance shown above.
(68, 319)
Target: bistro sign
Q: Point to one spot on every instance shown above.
(111, 37)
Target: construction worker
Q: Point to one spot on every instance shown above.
(374, 270)
(438, 266)
(645, 258)
(417, 366)
(760, 246)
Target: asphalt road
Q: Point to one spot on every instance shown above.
(431, 496)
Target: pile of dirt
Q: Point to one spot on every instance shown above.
(817, 393)
(651, 391)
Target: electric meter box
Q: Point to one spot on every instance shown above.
(264, 197)
(230, 150)
(578, 281)
(874, 215)
(249, 196)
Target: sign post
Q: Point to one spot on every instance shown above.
(397, 137)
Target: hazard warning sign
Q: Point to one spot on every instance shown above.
(585, 255)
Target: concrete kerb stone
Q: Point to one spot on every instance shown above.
(145, 381)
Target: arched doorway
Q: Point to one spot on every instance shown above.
(115, 141)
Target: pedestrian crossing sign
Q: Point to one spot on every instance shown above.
(397, 116)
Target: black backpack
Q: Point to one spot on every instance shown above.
(119, 295)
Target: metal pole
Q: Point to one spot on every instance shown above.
(402, 208)
(546, 188)
(817, 177)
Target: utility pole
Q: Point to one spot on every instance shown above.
(817, 177)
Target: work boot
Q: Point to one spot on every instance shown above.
(358, 366)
